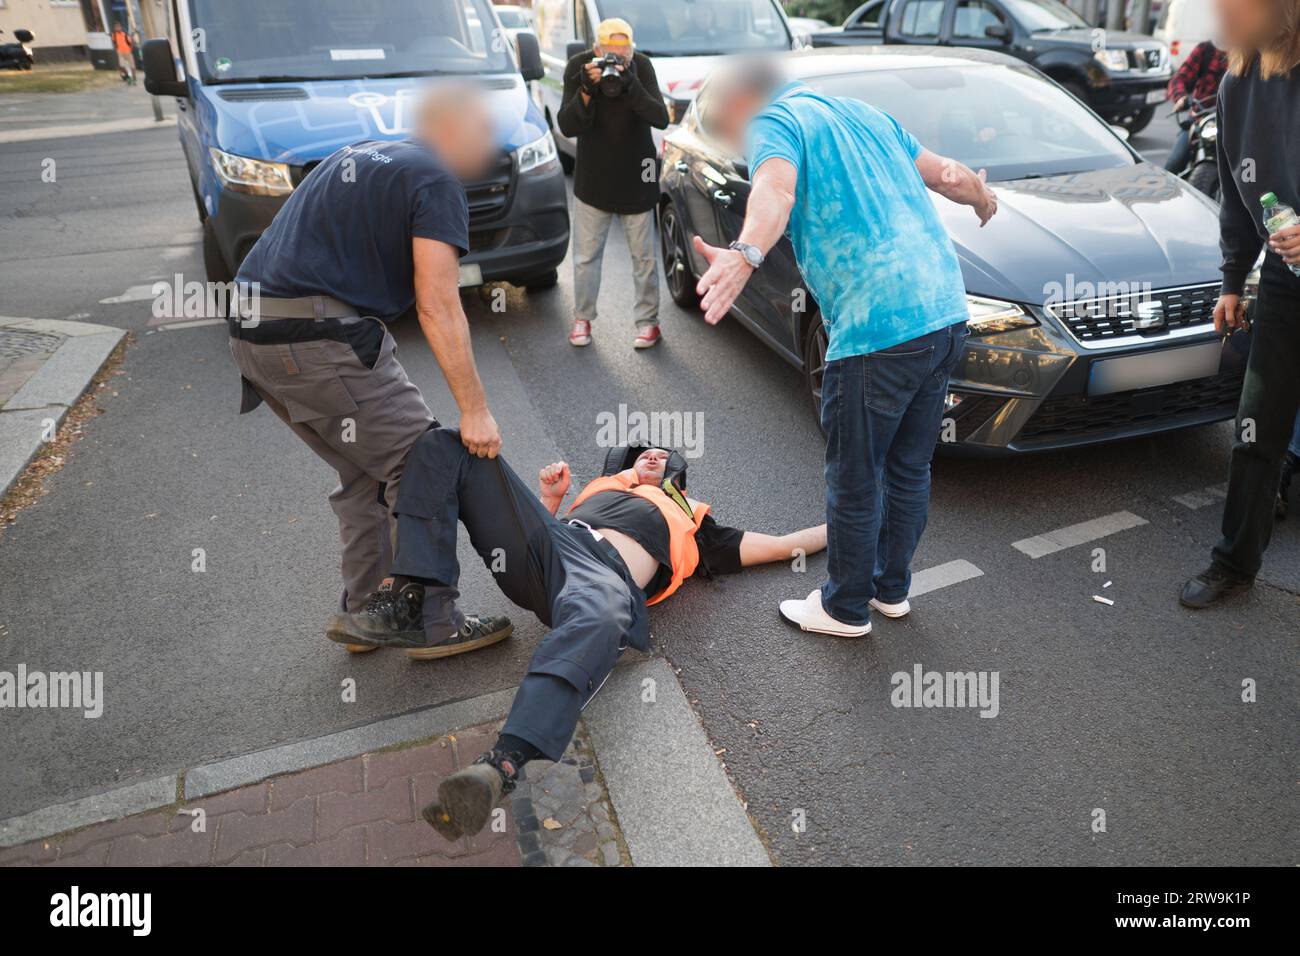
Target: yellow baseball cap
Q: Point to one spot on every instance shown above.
(606, 30)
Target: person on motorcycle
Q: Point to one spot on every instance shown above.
(1197, 80)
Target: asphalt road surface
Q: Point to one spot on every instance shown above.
(1134, 709)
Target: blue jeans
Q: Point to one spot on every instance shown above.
(882, 414)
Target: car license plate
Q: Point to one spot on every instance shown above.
(1154, 369)
(471, 273)
(1156, 96)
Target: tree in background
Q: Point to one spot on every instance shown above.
(832, 11)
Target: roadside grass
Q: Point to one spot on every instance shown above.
(56, 79)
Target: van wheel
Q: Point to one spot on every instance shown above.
(1205, 178)
(547, 280)
(677, 260)
(214, 263)
(814, 364)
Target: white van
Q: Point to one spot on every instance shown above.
(1183, 24)
(683, 38)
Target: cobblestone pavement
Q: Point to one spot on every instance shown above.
(563, 812)
(21, 354)
(359, 811)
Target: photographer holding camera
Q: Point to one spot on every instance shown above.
(611, 100)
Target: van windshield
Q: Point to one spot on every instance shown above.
(242, 40)
(700, 27)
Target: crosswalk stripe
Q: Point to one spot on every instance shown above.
(942, 575)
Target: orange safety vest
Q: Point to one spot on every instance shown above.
(682, 550)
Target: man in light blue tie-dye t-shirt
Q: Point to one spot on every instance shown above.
(851, 187)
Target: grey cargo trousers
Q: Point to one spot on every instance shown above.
(361, 419)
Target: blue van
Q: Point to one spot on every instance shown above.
(272, 87)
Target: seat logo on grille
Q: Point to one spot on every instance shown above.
(1149, 315)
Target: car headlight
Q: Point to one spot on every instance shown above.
(1114, 60)
(537, 154)
(256, 176)
(988, 316)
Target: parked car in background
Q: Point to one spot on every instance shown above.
(807, 26)
(683, 39)
(269, 93)
(1091, 293)
(1182, 25)
(1120, 75)
(514, 20)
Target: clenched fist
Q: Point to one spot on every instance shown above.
(554, 481)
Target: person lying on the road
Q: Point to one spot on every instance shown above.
(630, 539)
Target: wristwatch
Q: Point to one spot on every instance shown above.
(753, 255)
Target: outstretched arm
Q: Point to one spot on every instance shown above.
(957, 182)
(554, 484)
(757, 548)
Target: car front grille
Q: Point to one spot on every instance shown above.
(1077, 416)
(488, 197)
(1116, 316)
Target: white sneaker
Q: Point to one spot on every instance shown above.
(810, 616)
(901, 609)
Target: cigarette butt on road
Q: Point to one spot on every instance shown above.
(1106, 585)
(1101, 600)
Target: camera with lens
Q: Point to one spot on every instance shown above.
(612, 82)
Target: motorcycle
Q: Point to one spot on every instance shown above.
(17, 56)
(1201, 171)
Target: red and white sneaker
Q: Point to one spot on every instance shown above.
(647, 338)
(580, 334)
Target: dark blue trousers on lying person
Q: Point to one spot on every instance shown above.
(574, 583)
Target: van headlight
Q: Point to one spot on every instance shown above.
(536, 155)
(255, 176)
(988, 316)
(1114, 60)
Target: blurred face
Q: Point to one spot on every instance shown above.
(649, 466)
(732, 116)
(461, 133)
(619, 44)
(1247, 24)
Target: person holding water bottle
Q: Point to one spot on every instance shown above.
(1258, 115)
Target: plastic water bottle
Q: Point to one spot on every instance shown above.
(1278, 216)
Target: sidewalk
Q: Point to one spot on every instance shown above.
(363, 810)
(46, 365)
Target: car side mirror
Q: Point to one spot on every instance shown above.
(24, 36)
(574, 48)
(998, 31)
(160, 70)
(530, 56)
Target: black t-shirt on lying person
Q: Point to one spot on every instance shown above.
(641, 521)
(346, 230)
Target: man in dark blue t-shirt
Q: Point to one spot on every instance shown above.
(374, 229)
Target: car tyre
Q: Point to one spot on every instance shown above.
(815, 344)
(1205, 178)
(676, 258)
(1139, 120)
(214, 263)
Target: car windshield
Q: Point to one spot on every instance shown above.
(512, 18)
(1039, 16)
(1007, 120)
(700, 27)
(240, 40)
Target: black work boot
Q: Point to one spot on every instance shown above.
(390, 618)
(466, 798)
(1282, 505)
(1212, 585)
(479, 630)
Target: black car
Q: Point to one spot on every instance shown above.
(1091, 293)
(1120, 75)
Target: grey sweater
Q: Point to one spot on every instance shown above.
(1259, 152)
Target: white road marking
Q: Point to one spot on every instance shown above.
(66, 130)
(136, 293)
(1202, 496)
(192, 324)
(1076, 534)
(942, 575)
